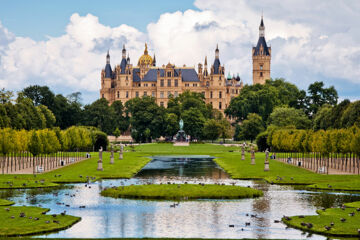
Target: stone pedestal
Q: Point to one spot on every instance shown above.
(252, 155)
(112, 156)
(243, 152)
(100, 165)
(267, 167)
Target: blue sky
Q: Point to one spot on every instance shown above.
(63, 44)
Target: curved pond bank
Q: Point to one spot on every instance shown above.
(246, 218)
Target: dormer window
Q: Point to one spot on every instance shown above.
(169, 74)
(261, 67)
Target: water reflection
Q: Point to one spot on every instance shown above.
(107, 217)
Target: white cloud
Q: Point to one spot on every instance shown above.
(310, 41)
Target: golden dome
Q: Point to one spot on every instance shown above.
(145, 59)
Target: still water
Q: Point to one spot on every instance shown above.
(107, 217)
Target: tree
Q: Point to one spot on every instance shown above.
(5, 96)
(100, 115)
(318, 96)
(262, 99)
(121, 121)
(286, 116)
(193, 123)
(117, 133)
(145, 113)
(212, 129)
(40, 95)
(251, 127)
(171, 124)
(351, 115)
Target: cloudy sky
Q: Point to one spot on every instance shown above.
(63, 44)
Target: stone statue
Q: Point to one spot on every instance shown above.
(243, 151)
(100, 166)
(181, 124)
(112, 155)
(267, 168)
(252, 155)
(121, 151)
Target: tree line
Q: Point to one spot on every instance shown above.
(335, 148)
(21, 149)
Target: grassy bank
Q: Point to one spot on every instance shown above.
(332, 222)
(34, 221)
(182, 192)
(4, 202)
(78, 172)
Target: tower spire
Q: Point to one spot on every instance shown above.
(217, 51)
(262, 27)
(124, 52)
(205, 63)
(154, 60)
(108, 57)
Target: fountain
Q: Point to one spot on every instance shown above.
(181, 137)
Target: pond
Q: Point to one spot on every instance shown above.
(107, 217)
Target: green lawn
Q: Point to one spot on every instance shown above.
(78, 172)
(4, 202)
(330, 217)
(33, 222)
(182, 192)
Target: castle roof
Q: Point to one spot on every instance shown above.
(123, 65)
(261, 42)
(108, 71)
(216, 66)
(187, 75)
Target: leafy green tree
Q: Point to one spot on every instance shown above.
(121, 120)
(318, 95)
(117, 133)
(39, 95)
(35, 147)
(100, 115)
(212, 129)
(251, 127)
(193, 122)
(5, 96)
(351, 115)
(286, 116)
(322, 119)
(172, 124)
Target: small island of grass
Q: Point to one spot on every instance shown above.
(332, 221)
(4, 202)
(182, 192)
(21, 221)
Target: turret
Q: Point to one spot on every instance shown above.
(108, 57)
(205, 67)
(216, 66)
(262, 28)
(108, 71)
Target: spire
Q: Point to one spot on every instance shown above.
(128, 59)
(217, 51)
(124, 52)
(205, 63)
(146, 51)
(154, 60)
(262, 28)
(108, 57)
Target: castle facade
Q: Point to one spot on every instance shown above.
(127, 81)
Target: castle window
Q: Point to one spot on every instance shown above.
(161, 82)
(203, 93)
(176, 83)
(153, 93)
(145, 85)
(211, 94)
(219, 105)
(136, 94)
(227, 91)
(145, 93)
(220, 78)
(161, 94)
(261, 67)
(187, 85)
(261, 74)
(102, 95)
(169, 83)
(161, 104)
(118, 94)
(169, 74)
(207, 84)
(126, 78)
(194, 84)
(153, 85)
(232, 90)
(236, 91)
(127, 94)
(176, 94)
(220, 94)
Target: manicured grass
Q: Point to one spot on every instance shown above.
(353, 205)
(329, 217)
(78, 172)
(182, 192)
(11, 224)
(4, 202)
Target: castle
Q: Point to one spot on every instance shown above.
(126, 81)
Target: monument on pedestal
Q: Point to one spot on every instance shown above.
(180, 137)
(252, 155)
(243, 151)
(111, 155)
(267, 168)
(100, 165)
(121, 151)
